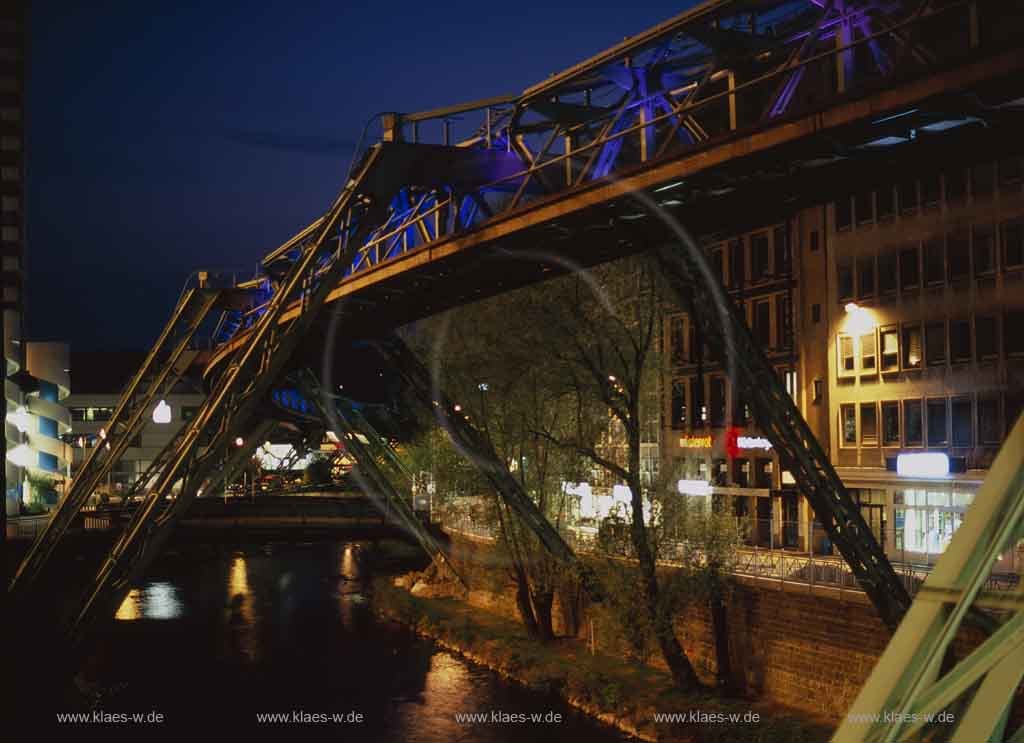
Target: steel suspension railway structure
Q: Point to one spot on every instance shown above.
(727, 113)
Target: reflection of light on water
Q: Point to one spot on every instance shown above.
(447, 674)
(238, 581)
(348, 563)
(158, 600)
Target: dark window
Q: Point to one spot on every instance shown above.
(912, 347)
(910, 276)
(736, 274)
(698, 413)
(862, 209)
(887, 273)
(1009, 172)
(937, 434)
(959, 340)
(717, 401)
(959, 255)
(908, 196)
(931, 189)
(677, 333)
(960, 412)
(783, 255)
(783, 321)
(759, 257)
(868, 424)
(188, 412)
(956, 185)
(848, 420)
(1013, 243)
(762, 323)
(678, 412)
(814, 241)
(982, 180)
(890, 349)
(912, 422)
(984, 249)
(990, 429)
(986, 338)
(815, 313)
(763, 473)
(720, 472)
(890, 424)
(844, 213)
(845, 281)
(935, 343)
(865, 277)
(740, 411)
(885, 202)
(934, 262)
(1013, 337)
(741, 472)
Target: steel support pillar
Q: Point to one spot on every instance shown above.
(478, 449)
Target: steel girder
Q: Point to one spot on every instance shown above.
(909, 689)
(700, 293)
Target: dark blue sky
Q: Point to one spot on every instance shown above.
(204, 134)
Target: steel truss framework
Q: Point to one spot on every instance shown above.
(909, 688)
(722, 70)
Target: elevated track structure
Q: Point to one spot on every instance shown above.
(720, 116)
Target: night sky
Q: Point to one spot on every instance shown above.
(205, 135)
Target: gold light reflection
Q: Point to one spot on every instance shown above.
(238, 581)
(131, 607)
(348, 563)
(447, 675)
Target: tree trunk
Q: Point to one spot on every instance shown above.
(523, 603)
(542, 604)
(720, 628)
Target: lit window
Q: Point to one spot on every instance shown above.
(847, 359)
(890, 343)
(912, 347)
(868, 357)
(848, 424)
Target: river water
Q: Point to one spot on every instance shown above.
(220, 636)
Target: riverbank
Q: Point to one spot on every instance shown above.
(633, 697)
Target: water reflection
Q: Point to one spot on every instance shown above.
(156, 600)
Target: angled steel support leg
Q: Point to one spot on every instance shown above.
(366, 456)
(694, 285)
(470, 442)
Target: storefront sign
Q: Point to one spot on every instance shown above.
(694, 487)
(925, 464)
(753, 442)
(695, 442)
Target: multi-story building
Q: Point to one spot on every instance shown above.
(13, 55)
(926, 363)
(97, 381)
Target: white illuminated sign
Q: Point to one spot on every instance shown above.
(926, 464)
(694, 487)
(753, 442)
(162, 412)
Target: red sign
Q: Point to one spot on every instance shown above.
(732, 446)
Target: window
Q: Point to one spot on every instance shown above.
(890, 347)
(698, 412)
(677, 414)
(956, 185)
(848, 424)
(736, 274)
(10, 144)
(1013, 243)
(819, 389)
(783, 322)
(908, 196)
(740, 409)
(934, 262)
(912, 422)
(847, 360)
(789, 378)
(763, 473)
(816, 313)
(844, 214)
(912, 347)
(935, 343)
(865, 277)
(845, 281)
(862, 207)
(10, 204)
(984, 249)
(959, 255)
(868, 424)
(1013, 338)
(910, 276)
(741, 472)
(783, 255)
(986, 338)
(960, 413)
(982, 180)
(1014, 405)
(762, 323)
(990, 428)
(890, 424)
(937, 434)
(717, 401)
(10, 263)
(10, 113)
(868, 354)
(677, 339)
(959, 341)
(10, 233)
(815, 245)
(188, 412)
(759, 257)
(931, 189)
(885, 203)
(887, 276)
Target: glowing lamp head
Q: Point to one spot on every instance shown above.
(239, 441)
(851, 307)
(162, 412)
